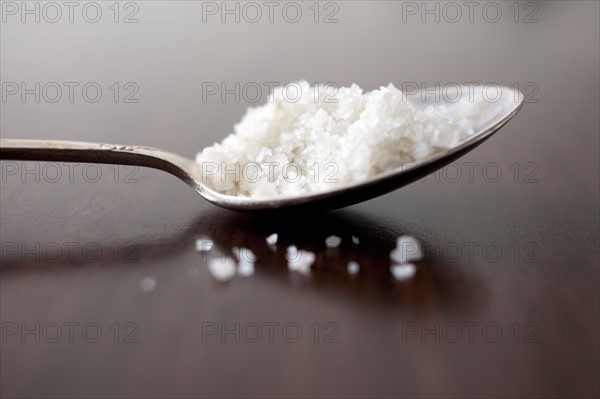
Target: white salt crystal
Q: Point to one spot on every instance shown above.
(408, 249)
(446, 138)
(353, 267)
(204, 245)
(404, 271)
(355, 240)
(292, 252)
(359, 134)
(272, 239)
(148, 284)
(333, 241)
(221, 269)
(420, 150)
(245, 268)
(302, 262)
(246, 260)
(245, 254)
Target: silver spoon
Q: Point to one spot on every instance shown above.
(485, 113)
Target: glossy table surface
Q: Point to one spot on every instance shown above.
(102, 293)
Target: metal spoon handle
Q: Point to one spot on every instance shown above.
(79, 151)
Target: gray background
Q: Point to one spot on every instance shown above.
(169, 53)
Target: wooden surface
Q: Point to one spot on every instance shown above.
(515, 255)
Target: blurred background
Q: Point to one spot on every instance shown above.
(518, 250)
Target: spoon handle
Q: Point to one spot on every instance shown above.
(79, 151)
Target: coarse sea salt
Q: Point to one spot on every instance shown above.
(317, 142)
(408, 249)
(272, 239)
(292, 252)
(204, 245)
(300, 260)
(222, 269)
(353, 267)
(404, 271)
(246, 260)
(333, 241)
(245, 268)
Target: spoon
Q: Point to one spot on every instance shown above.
(484, 113)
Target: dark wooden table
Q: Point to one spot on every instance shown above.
(505, 303)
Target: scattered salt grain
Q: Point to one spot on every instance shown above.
(204, 245)
(221, 269)
(272, 239)
(148, 284)
(245, 268)
(353, 267)
(245, 254)
(333, 241)
(404, 271)
(362, 134)
(292, 252)
(301, 262)
(408, 249)
(355, 240)
(246, 260)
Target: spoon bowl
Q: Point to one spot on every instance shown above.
(486, 109)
